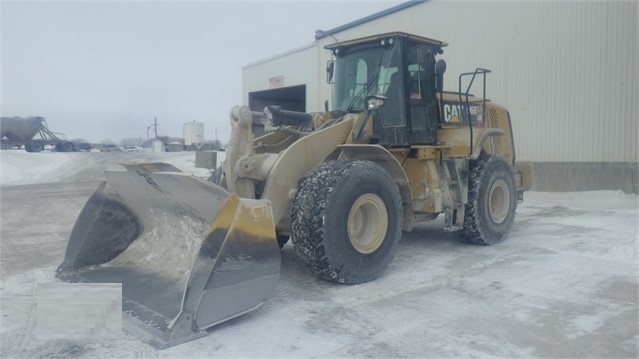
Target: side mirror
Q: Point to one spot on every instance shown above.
(440, 68)
(330, 68)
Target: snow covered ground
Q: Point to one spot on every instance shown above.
(20, 168)
(564, 284)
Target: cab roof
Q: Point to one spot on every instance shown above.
(388, 35)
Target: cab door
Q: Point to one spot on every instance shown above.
(421, 94)
(390, 124)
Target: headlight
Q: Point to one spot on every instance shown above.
(375, 102)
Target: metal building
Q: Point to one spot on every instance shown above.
(567, 72)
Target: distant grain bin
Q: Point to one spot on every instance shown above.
(193, 133)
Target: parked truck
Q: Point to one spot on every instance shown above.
(33, 133)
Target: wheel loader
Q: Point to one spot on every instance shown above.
(394, 149)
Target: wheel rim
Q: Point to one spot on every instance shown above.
(367, 223)
(499, 201)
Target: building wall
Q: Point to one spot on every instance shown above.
(296, 67)
(567, 72)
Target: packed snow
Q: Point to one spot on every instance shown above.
(18, 167)
(563, 284)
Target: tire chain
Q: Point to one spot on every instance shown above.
(314, 188)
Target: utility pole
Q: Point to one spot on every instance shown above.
(155, 127)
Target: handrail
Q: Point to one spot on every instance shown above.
(474, 74)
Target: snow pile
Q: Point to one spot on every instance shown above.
(18, 167)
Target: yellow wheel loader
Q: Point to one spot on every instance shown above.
(394, 149)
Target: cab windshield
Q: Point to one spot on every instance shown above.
(363, 71)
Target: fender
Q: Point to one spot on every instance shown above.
(299, 158)
(484, 136)
(382, 157)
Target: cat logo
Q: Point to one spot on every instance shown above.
(457, 113)
(452, 113)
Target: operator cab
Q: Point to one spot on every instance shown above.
(399, 67)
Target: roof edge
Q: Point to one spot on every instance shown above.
(320, 34)
(386, 35)
(281, 54)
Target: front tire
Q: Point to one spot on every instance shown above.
(346, 220)
(282, 240)
(492, 201)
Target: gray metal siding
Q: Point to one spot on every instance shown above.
(567, 71)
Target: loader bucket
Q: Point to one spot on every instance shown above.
(189, 255)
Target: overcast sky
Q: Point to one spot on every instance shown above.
(104, 70)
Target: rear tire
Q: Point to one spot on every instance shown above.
(492, 201)
(68, 147)
(346, 220)
(36, 147)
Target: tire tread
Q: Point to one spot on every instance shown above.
(308, 214)
(475, 231)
